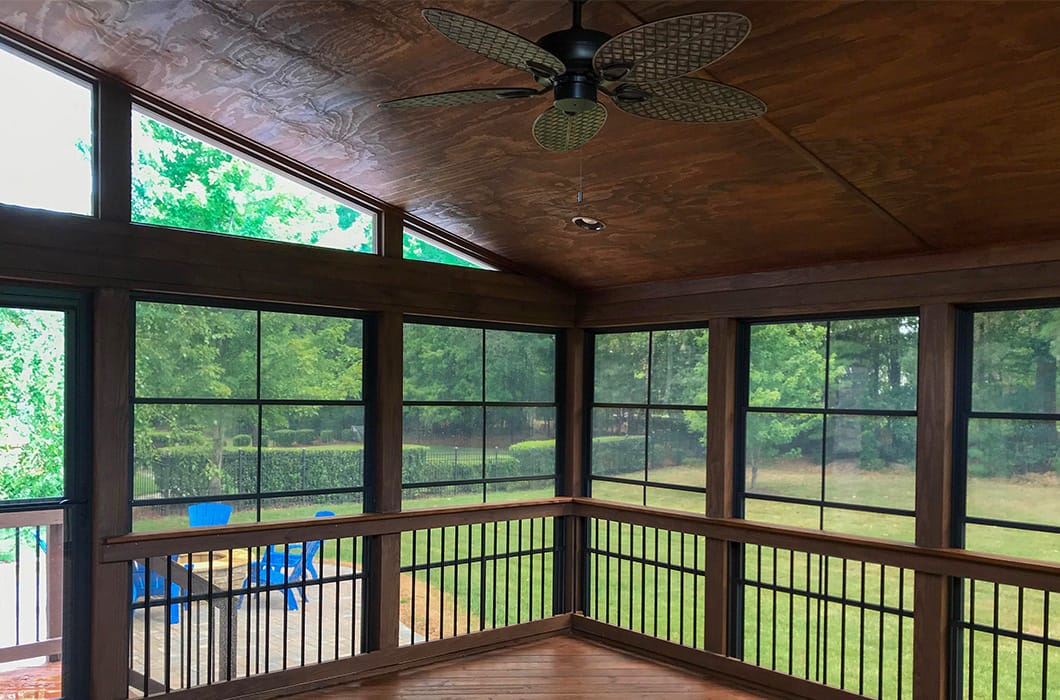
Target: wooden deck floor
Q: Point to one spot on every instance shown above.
(560, 667)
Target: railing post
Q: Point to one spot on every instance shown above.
(384, 562)
(54, 565)
(721, 442)
(110, 493)
(573, 436)
(934, 491)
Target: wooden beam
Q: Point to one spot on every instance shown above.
(109, 664)
(56, 248)
(721, 420)
(1015, 273)
(934, 495)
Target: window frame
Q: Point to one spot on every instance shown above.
(744, 409)
(366, 402)
(591, 404)
(557, 475)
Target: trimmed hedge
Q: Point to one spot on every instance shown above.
(282, 438)
(242, 441)
(615, 454)
(327, 437)
(535, 457)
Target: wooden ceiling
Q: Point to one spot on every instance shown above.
(893, 128)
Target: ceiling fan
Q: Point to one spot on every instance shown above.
(641, 70)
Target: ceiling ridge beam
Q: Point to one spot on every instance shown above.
(800, 149)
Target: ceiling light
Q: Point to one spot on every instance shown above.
(588, 223)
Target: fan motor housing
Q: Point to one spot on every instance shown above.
(575, 90)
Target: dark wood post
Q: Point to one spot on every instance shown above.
(110, 493)
(721, 426)
(934, 482)
(384, 565)
(573, 460)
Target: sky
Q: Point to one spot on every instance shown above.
(40, 127)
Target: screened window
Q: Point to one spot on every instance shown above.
(480, 415)
(830, 425)
(258, 410)
(1013, 433)
(45, 137)
(182, 181)
(417, 247)
(649, 418)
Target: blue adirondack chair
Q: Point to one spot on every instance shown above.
(285, 564)
(208, 514)
(147, 584)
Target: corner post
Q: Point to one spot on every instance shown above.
(573, 458)
(109, 674)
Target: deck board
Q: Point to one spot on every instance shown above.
(559, 667)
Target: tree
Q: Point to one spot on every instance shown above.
(32, 385)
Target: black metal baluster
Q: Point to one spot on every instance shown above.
(356, 602)
(530, 601)
(496, 553)
(507, 571)
(1019, 643)
(427, 587)
(482, 577)
(758, 605)
(37, 581)
(1045, 646)
(861, 634)
(773, 618)
(883, 599)
(996, 637)
(971, 638)
(353, 611)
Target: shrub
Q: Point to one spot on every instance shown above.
(615, 454)
(535, 457)
(327, 437)
(304, 436)
(282, 438)
(346, 435)
(242, 441)
(296, 469)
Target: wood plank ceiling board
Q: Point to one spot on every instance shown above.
(941, 115)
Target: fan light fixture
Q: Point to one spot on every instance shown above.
(588, 223)
(642, 70)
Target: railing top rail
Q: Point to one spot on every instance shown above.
(943, 561)
(31, 518)
(160, 544)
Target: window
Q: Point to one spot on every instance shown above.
(649, 418)
(261, 410)
(830, 425)
(480, 415)
(1012, 460)
(179, 180)
(417, 247)
(45, 136)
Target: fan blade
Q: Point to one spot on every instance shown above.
(689, 100)
(556, 130)
(460, 97)
(495, 43)
(670, 48)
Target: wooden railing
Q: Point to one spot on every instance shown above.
(36, 572)
(819, 615)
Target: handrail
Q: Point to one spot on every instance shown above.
(31, 518)
(933, 560)
(160, 544)
(944, 561)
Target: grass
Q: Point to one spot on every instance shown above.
(791, 627)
